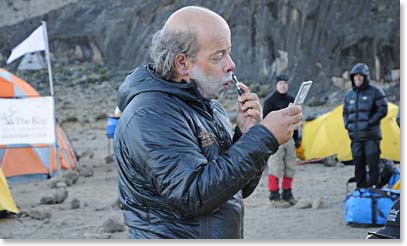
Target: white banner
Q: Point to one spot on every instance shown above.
(27, 121)
(34, 42)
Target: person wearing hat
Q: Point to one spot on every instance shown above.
(391, 229)
(364, 107)
(283, 162)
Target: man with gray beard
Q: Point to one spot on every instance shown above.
(182, 169)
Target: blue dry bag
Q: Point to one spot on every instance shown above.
(369, 207)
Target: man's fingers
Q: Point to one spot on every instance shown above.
(251, 104)
(252, 97)
(296, 126)
(248, 97)
(297, 118)
(246, 90)
(244, 87)
(293, 109)
(254, 113)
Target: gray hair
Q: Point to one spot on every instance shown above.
(166, 44)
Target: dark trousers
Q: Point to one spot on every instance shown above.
(366, 153)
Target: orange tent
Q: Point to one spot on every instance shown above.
(38, 161)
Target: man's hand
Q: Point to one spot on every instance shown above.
(282, 123)
(250, 111)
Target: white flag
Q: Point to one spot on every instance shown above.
(35, 42)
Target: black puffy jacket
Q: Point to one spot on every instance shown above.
(364, 107)
(277, 101)
(180, 175)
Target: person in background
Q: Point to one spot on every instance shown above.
(398, 117)
(365, 105)
(180, 174)
(391, 229)
(281, 164)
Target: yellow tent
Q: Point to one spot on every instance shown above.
(326, 136)
(6, 200)
(396, 186)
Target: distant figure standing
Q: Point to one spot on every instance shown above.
(398, 117)
(283, 162)
(365, 105)
(391, 229)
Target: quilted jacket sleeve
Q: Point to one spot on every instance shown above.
(380, 107)
(162, 142)
(345, 113)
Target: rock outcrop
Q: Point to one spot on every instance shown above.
(310, 40)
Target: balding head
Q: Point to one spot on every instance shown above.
(193, 18)
(194, 44)
(184, 32)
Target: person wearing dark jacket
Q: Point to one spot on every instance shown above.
(282, 163)
(391, 229)
(398, 117)
(180, 175)
(365, 105)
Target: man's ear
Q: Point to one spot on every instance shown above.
(181, 64)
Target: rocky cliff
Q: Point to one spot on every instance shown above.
(315, 40)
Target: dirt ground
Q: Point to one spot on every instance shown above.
(97, 194)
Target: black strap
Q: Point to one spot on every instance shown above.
(374, 208)
(237, 134)
(378, 192)
(351, 180)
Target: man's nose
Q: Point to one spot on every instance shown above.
(229, 66)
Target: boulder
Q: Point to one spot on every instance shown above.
(39, 213)
(61, 185)
(47, 199)
(318, 203)
(111, 225)
(52, 182)
(85, 171)
(303, 203)
(71, 177)
(60, 195)
(109, 159)
(330, 161)
(75, 204)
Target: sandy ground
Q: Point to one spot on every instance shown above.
(96, 195)
(312, 181)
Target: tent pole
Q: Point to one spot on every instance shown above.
(51, 83)
(51, 88)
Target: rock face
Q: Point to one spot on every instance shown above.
(313, 39)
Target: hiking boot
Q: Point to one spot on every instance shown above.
(288, 197)
(276, 201)
(274, 196)
(280, 204)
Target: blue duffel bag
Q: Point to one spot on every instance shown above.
(366, 207)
